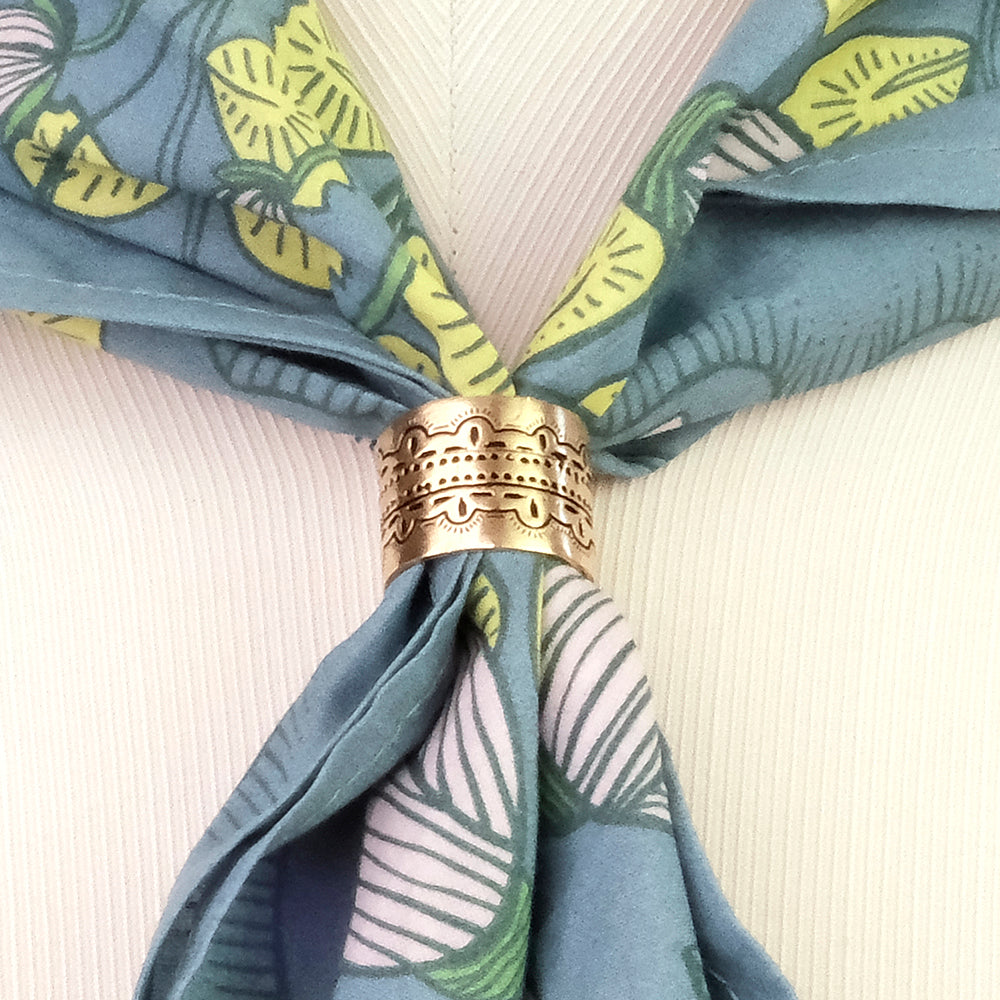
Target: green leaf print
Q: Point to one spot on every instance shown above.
(666, 189)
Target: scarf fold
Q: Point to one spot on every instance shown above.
(471, 797)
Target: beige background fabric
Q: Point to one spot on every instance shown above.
(813, 585)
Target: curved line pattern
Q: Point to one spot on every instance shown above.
(595, 713)
(439, 856)
(753, 352)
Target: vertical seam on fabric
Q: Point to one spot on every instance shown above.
(452, 115)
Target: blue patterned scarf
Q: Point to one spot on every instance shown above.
(471, 798)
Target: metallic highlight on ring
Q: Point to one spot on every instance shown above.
(485, 472)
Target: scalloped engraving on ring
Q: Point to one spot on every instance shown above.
(488, 472)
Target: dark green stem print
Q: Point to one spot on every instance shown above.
(115, 29)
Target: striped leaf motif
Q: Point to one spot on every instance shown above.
(440, 893)
(601, 753)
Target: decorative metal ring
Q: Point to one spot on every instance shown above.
(485, 472)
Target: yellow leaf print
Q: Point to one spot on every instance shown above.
(324, 82)
(599, 401)
(287, 112)
(410, 356)
(875, 79)
(256, 107)
(275, 104)
(287, 250)
(469, 362)
(619, 269)
(421, 252)
(310, 191)
(87, 331)
(841, 11)
(88, 183)
(483, 606)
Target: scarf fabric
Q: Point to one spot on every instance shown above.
(472, 793)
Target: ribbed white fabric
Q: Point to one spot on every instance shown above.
(521, 124)
(814, 585)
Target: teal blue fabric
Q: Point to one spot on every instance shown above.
(471, 795)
